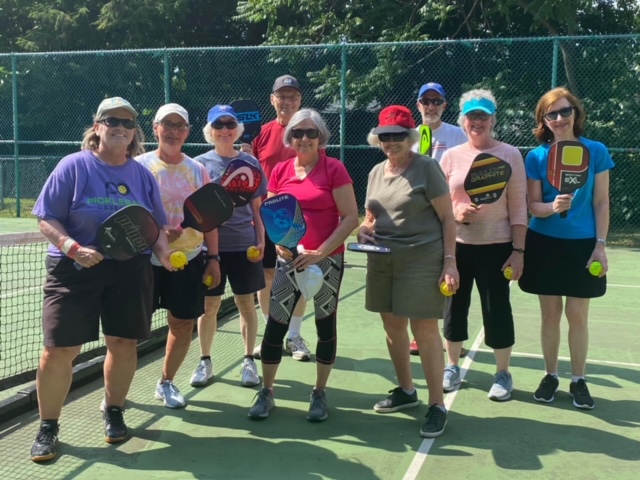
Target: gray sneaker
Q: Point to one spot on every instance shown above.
(249, 373)
(318, 408)
(451, 378)
(298, 348)
(202, 374)
(264, 402)
(502, 387)
(170, 395)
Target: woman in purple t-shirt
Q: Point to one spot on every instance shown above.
(83, 287)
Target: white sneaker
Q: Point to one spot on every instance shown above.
(256, 351)
(249, 373)
(170, 395)
(202, 374)
(298, 349)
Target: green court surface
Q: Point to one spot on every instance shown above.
(212, 438)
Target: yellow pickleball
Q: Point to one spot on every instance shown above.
(508, 273)
(253, 252)
(208, 281)
(444, 289)
(595, 268)
(178, 260)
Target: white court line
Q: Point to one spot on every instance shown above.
(425, 446)
(566, 359)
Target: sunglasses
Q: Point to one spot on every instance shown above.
(227, 125)
(311, 133)
(183, 127)
(393, 137)
(114, 122)
(431, 101)
(563, 112)
(478, 116)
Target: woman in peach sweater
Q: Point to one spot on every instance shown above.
(488, 239)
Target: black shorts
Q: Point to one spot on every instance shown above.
(116, 294)
(482, 264)
(244, 276)
(270, 258)
(180, 292)
(557, 266)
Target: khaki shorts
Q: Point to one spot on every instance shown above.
(405, 282)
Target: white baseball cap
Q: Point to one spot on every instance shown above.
(170, 108)
(309, 281)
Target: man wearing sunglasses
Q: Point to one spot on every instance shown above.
(432, 103)
(268, 148)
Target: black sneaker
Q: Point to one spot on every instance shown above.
(434, 424)
(581, 396)
(114, 428)
(44, 446)
(547, 389)
(398, 400)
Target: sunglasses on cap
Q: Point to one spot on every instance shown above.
(227, 125)
(431, 101)
(478, 115)
(563, 112)
(393, 137)
(311, 133)
(114, 122)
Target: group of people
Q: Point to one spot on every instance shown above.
(415, 204)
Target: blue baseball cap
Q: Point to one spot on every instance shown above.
(482, 104)
(221, 111)
(436, 87)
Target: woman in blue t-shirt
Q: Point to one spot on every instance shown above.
(560, 250)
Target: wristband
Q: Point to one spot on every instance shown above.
(69, 247)
(450, 257)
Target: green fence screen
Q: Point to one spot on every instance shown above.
(47, 99)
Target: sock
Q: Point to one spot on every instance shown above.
(250, 357)
(52, 422)
(205, 357)
(441, 407)
(553, 374)
(294, 327)
(266, 317)
(575, 378)
(409, 392)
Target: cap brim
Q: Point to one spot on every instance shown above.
(481, 109)
(128, 109)
(389, 129)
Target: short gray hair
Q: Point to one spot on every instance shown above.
(208, 136)
(476, 94)
(374, 140)
(307, 114)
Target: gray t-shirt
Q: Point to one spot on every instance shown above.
(401, 204)
(238, 233)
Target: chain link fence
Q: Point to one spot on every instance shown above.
(47, 99)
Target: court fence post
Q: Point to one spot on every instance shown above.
(554, 63)
(16, 129)
(343, 96)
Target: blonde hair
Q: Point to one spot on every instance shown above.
(91, 141)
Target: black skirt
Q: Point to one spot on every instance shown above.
(557, 266)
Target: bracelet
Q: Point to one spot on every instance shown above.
(69, 247)
(450, 257)
(212, 257)
(603, 241)
(519, 250)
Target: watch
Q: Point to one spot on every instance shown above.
(212, 257)
(519, 250)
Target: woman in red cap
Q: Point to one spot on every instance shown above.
(408, 209)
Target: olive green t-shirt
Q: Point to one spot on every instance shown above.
(401, 204)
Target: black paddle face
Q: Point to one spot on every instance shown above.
(248, 114)
(207, 208)
(367, 248)
(487, 179)
(130, 231)
(241, 180)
